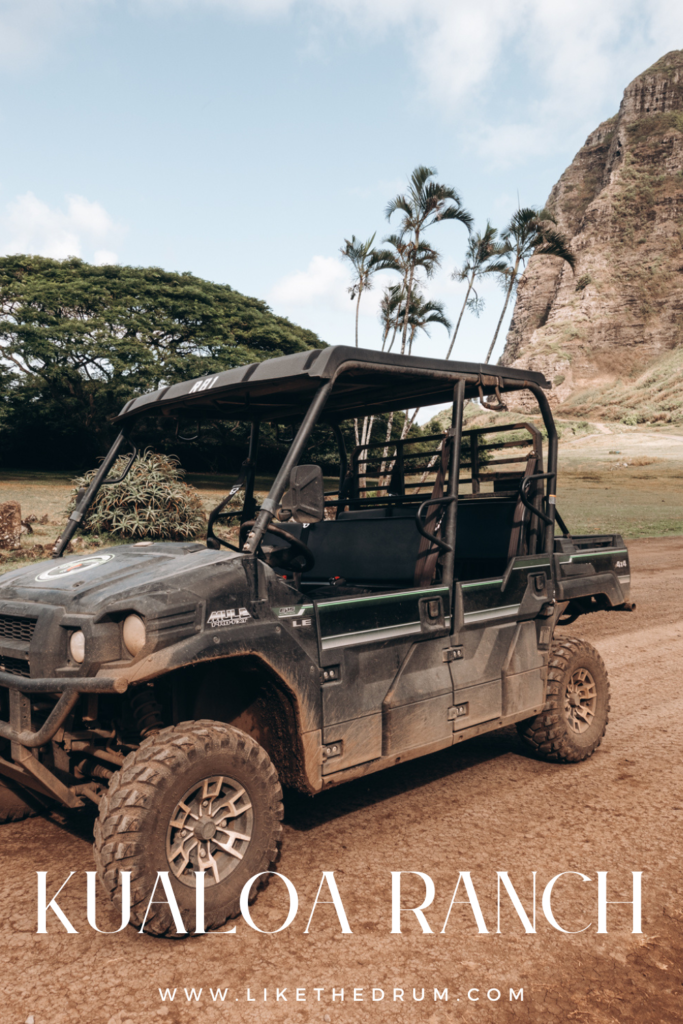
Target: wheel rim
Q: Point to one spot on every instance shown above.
(210, 830)
(580, 700)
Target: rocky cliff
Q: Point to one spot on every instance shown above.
(609, 335)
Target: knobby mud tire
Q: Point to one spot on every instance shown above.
(13, 807)
(549, 734)
(130, 833)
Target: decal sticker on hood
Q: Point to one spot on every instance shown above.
(228, 617)
(70, 568)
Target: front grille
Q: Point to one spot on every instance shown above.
(17, 666)
(15, 627)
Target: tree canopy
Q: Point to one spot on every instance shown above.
(77, 341)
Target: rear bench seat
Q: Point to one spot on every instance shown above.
(379, 546)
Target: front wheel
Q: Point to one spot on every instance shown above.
(199, 796)
(576, 712)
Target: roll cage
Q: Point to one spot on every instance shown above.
(327, 386)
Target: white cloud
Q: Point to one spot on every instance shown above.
(29, 28)
(31, 226)
(457, 45)
(104, 256)
(251, 8)
(324, 282)
(571, 55)
(566, 59)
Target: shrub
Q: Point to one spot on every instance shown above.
(583, 282)
(152, 503)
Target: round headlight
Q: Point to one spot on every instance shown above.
(77, 646)
(134, 634)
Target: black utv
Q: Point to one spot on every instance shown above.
(179, 685)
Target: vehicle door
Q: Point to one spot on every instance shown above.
(386, 683)
(500, 632)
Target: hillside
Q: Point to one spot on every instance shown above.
(609, 334)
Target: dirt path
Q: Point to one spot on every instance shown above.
(483, 807)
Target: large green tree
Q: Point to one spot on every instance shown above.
(77, 341)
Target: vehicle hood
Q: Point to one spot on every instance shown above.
(111, 573)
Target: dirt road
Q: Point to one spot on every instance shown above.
(483, 807)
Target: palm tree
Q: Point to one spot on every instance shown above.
(528, 234)
(426, 202)
(422, 313)
(483, 256)
(365, 261)
(389, 309)
(405, 257)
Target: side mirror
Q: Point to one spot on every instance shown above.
(304, 502)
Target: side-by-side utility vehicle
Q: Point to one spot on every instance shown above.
(315, 636)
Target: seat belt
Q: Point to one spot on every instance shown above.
(520, 510)
(428, 553)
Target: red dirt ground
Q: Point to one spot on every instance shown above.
(482, 807)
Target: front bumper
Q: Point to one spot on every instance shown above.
(69, 689)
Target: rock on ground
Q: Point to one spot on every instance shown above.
(10, 524)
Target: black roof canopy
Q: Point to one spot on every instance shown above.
(368, 382)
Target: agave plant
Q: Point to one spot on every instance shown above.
(152, 503)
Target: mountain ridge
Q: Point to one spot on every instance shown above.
(612, 329)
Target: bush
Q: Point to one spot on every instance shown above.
(152, 503)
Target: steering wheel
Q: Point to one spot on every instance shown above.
(283, 558)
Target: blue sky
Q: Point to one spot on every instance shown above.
(243, 140)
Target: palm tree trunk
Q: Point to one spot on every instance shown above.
(382, 469)
(409, 290)
(366, 431)
(457, 326)
(513, 278)
(404, 332)
(432, 463)
(412, 338)
(360, 292)
(393, 337)
(408, 422)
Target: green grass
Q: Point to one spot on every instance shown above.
(635, 501)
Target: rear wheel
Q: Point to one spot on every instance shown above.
(199, 796)
(576, 712)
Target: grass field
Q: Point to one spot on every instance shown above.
(629, 483)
